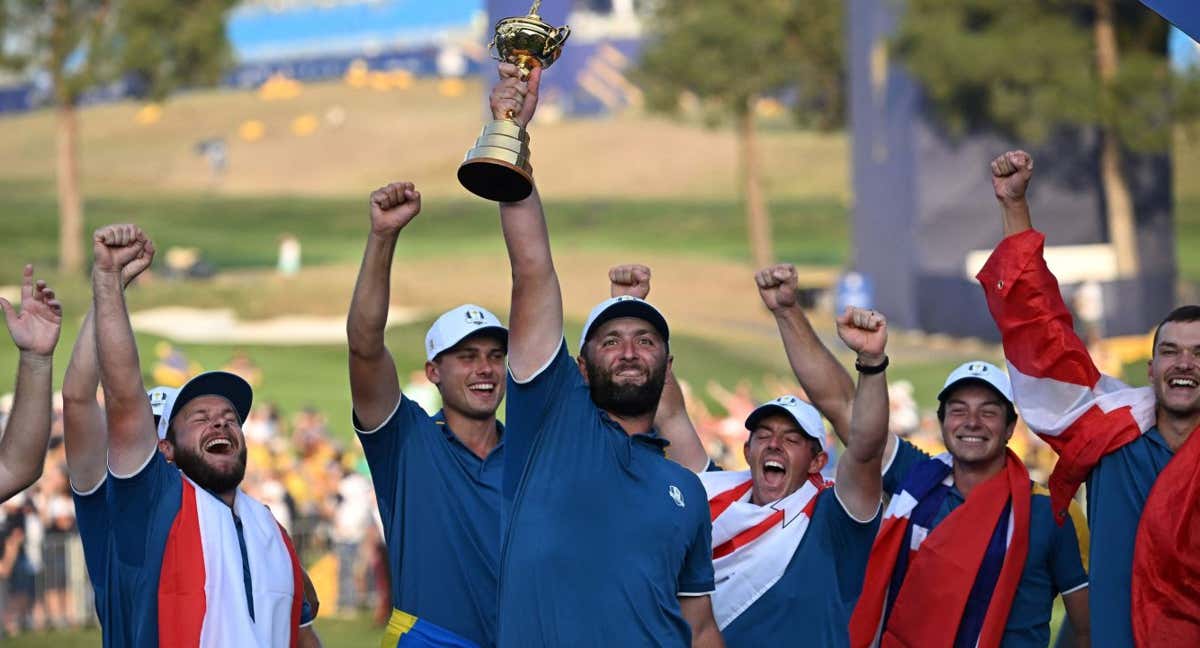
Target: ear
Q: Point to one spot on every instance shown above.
(746, 451)
(1150, 369)
(432, 372)
(167, 449)
(582, 364)
(818, 463)
(1008, 433)
(670, 362)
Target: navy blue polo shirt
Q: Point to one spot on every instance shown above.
(1054, 565)
(440, 506)
(604, 531)
(1116, 493)
(91, 518)
(813, 599)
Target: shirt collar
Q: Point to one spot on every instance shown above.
(439, 419)
(651, 439)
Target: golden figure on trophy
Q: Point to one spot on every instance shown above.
(497, 167)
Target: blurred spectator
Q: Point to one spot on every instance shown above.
(289, 255)
(172, 368)
(240, 364)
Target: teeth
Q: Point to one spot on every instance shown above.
(483, 386)
(216, 442)
(773, 464)
(1182, 382)
(971, 439)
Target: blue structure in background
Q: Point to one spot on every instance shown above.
(923, 200)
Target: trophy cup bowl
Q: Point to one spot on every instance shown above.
(497, 167)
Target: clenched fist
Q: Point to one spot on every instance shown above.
(117, 246)
(630, 279)
(1011, 173)
(514, 97)
(777, 286)
(865, 332)
(393, 206)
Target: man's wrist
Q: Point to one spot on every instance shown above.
(868, 361)
(35, 359)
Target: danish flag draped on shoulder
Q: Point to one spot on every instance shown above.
(1135, 448)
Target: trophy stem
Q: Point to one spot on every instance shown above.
(497, 167)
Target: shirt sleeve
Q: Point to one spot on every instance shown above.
(528, 408)
(907, 456)
(696, 578)
(383, 449)
(91, 518)
(849, 539)
(1070, 550)
(306, 614)
(134, 501)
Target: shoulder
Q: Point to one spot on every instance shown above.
(406, 414)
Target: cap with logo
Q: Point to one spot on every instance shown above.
(457, 324)
(805, 415)
(624, 306)
(978, 371)
(158, 398)
(229, 386)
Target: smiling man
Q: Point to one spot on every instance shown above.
(1137, 449)
(437, 478)
(189, 559)
(607, 542)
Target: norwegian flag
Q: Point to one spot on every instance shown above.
(1084, 416)
(754, 542)
(943, 563)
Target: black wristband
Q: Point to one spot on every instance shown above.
(870, 370)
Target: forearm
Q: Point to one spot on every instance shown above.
(869, 420)
(116, 347)
(708, 636)
(1015, 215)
(367, 318)
(23, 445)
(536, 318)
(825, 381)
(674, 425)
(84, 435)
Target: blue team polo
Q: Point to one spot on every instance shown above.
(1054, 565)
(816, 594)
(124, 525)
(440, 506)
(604, 532)
(1116, 493)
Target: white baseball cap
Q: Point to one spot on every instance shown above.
(978, 370)
(805, 415)
(624, 306)
(227, 385)
(158, 399)
(457, 324)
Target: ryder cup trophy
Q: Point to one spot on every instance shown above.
(497, 168)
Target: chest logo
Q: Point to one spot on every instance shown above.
(676, 495)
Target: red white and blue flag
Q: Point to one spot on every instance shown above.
(925, 603)
(752, 544)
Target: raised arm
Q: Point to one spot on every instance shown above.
(85, 437)
(827, 384)
(131, 435)
(671, 418)
(374, 386)
(34, 329)
(536, 318)
(1011, 173)
(859, 480)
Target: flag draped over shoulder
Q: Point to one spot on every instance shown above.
(1085, 415)
(928, 587)
(752, 544)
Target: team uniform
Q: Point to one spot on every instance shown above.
(791, 568)
(1053, 564)
(1104, 432)
(602, 533)
(440, 506)
(173, 565)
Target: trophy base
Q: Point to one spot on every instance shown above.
(495, 179)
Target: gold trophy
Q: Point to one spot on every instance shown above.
(497, 168)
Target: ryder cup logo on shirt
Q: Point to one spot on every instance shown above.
(676, 495)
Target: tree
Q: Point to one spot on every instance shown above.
(1030, 67)
(156, 46)
(731, 53)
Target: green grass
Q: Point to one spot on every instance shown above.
(335, 633)
(237, 233)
